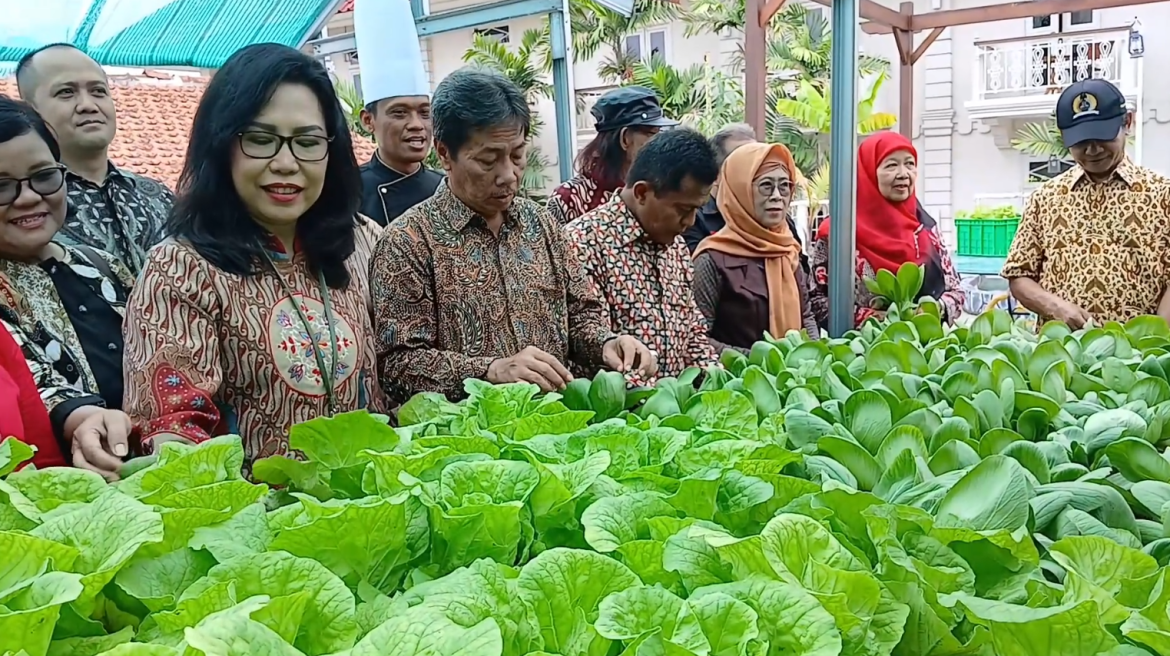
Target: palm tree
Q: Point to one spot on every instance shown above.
(698, 96)
(351, 104)
(714, 16)
(1040, 140)
(800, 41)
(800, 45)
(528, 67)
(596, 27)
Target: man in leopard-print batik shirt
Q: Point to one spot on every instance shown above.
(1093, 243)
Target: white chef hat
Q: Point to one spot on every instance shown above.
(388, 50)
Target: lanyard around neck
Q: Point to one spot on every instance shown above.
(327, 375)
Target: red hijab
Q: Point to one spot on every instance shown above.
(885, 229)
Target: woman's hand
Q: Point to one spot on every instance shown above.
(100, 438)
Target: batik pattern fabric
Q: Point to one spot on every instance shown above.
(211, 353)
(60, 397)
(1101, 245)
(646, 287)
(451, 296)
(125, 215)
(575, 197)
(864, 301)
(28, 292)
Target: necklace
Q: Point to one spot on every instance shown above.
(327, 375)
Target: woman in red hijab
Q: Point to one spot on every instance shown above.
(22, 412)
(892, 229)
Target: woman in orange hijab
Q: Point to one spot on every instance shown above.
(892, 229)
(748, 277)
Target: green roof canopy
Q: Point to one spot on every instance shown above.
(157, 33)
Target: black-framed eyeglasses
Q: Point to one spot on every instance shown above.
(45, 182)
(265, 145)
(769, 187)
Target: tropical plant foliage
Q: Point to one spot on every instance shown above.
(351, 104)
(599, 29)
(797, 97)
(699, 96)
(1040, 139)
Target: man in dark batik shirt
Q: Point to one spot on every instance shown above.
(109, 209)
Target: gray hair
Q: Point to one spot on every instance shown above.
(731, 133)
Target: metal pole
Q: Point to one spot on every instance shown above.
(755, 68)
(843, 167)
(562, 94)
(1139, 113)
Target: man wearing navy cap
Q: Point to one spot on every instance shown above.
(1093, 243)
(626, 118)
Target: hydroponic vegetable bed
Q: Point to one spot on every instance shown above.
(906, 491)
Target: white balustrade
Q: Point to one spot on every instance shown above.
(1040, 65)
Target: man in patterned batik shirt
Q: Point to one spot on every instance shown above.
(475, 282)
(109, 208)
(1093, 242)
(632, 249)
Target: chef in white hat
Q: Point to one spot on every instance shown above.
(397, 111)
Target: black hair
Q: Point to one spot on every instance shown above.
(210, 215)
(668, 159)
(603, 158)
(26, 77)
(18, 118)
(473, 99)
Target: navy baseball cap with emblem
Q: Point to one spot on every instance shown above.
(628, 107)
(1090, 110)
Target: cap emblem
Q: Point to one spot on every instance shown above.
(1083, 105)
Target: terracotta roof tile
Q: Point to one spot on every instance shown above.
(346, 7)
(155, 111)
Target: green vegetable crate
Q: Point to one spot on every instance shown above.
(987, 232)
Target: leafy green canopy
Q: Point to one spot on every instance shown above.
(906, 490)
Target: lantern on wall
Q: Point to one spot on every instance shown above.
(1137, 43)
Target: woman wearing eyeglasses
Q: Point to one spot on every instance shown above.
(62, 306)
(748, 277)
(254, 316)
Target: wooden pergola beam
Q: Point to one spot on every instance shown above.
(881, 15)
(1002, 12)
(755, 67)
(771, 8)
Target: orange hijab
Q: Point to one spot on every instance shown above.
(743, 236)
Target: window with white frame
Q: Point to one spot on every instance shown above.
(1061, 22)
(357, 84)
(1043, 170)
(645, 45)
(500, 33)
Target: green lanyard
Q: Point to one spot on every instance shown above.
(327, 375)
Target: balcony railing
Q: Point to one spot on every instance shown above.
(1040, 65)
